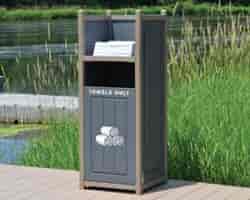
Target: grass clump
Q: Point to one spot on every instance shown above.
(57, 148)
(209, 105)
(209, 131)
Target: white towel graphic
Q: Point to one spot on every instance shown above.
(109, 131)
(103, 140)
(109, 136)
(118, 141)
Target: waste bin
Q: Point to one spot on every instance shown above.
(123, 130)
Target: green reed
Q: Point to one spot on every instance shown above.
(207, 50)
(209, 104)
(209, 130)
(49, 73)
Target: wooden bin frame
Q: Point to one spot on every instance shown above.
(139, 187)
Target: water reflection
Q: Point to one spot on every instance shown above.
(13, 148)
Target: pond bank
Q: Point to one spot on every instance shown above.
(20, 130)
(173, 9)
(12, 147)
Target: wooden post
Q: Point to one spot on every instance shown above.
(109, 19)
(138, 86)
(109, 13)
(163, 12)
(81, 52)
(165, 93)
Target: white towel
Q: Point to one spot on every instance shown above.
(115, 48)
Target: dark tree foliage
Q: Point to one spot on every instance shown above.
(8, 4)
(107, 3)
(223, 2)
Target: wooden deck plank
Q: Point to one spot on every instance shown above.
(224, 192)
(241, 194)
(29, 183)
(204, 193)
(18, 177)
(29, 187)
(182, 191)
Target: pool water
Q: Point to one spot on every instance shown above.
(12, 148)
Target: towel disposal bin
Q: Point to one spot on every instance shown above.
(123, 132)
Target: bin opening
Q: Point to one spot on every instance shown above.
(110, 74)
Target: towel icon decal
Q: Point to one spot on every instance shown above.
(109, 136)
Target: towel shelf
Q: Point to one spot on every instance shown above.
(108, 59)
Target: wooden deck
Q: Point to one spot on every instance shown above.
(26, 183)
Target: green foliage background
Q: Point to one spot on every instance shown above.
(109, 3)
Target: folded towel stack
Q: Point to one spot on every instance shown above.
(109, 137)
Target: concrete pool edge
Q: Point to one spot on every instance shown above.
(30, 108)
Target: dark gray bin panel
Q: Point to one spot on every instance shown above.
(95, 31)
(123, 30)
(1, 83)
(114, 107)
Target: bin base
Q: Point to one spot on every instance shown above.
(154, 183)
(103, 185)
(131, 188)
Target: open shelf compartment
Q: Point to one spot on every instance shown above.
(109, 74)
(107, 29)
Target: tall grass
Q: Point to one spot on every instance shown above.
(58, 148)
(208, 50)
(209, 130)
(208, 134)
(209, 109)
(46, 74)
(209, 105)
